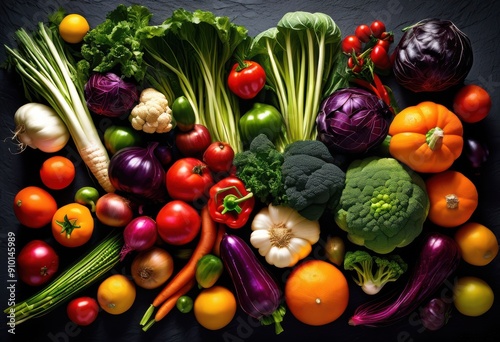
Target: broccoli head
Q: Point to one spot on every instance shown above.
(383, 205)
(373, 272)
(311, 179)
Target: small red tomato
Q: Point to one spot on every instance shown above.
(472, 103)
(248, 80)
(194, 142)
(380, 57)
(188, 179)
(37, 263)
(356, 65)
(219, 156)
(350, 43)
(377, 27)
(363, 32)
(384, 43)
(57, 172)
(178, 223)
(82, 310)
(34, 207)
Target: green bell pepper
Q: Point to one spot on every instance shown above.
(183, 114)
(118, 137)
(261, 118)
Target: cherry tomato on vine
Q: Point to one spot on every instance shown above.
(82, 310)
(363, 32)
(383, 43)
(380, 57)
(377, 27)
(34, 207)
(57, 172)
(246, 80)
(355, 65)
(350, 43)
(37, 262)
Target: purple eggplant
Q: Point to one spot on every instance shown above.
(258, 293)
(476, 152)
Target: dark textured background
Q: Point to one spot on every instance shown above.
(478, 19)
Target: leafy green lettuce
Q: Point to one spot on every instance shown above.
(113, 44)
(190, 54)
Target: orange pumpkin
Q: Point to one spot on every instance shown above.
(453, 198)
(427, 137)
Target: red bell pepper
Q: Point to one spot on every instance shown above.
(230, 202)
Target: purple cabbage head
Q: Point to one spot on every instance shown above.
(432, 55)
(353, 120)
(109, 95)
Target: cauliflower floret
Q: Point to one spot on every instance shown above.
(152, 114)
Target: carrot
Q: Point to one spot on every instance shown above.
(205, 245)
(169, 304)
(221, 230)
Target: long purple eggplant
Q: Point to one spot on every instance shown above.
(259, 295)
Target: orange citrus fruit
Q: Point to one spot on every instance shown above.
(73, 28)
(215, 307)
(478, 244)
(116, 294)
(316, 292)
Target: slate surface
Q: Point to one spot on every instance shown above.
(478, 19)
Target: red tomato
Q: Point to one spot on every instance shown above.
(363, 32)
(34, 207)
(380, 57)
(178, 223)
(472, 103)
(377, 27)
(350, 43)
(219, 156)
(194, 142)
(82, 310)
(248, 81)
(188, 179)
(384, 43)
(37, 262)
(57, 172)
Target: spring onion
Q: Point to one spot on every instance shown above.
(49, 73)
(83, 273)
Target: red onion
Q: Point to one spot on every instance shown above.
(434, 315)
(114, 210)
(137, 171)
(139, 235)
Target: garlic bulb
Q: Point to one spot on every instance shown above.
(283, 236)
(40, 127)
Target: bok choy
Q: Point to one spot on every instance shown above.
(302, 59)
(189, 55)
